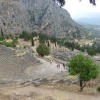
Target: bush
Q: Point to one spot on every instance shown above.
(8, 44)
(11, 36)
(98, 89)
(24, 46)
(42, 50)
(2, 38)
(33, 51)
(15, 41)
(7, 36)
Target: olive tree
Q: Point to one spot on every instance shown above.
(42, 50)
(84, 67)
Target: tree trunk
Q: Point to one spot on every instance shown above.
(81, 85)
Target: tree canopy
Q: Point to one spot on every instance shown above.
(62, 2)
(84, 67)
(43, 50)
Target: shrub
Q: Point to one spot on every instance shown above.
(24, 46)
(2, 38)
(33, 51)
(7, 36)
(8, 44)
(11, 36)
(15, 41)
(4, 24)
(98, 89)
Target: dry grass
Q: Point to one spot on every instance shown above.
(84, 42)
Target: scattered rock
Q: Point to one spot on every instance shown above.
(75, 81)
(94, 92)
(52, 98)
(17, 93)
(67, 83)
(28, 94)
(25, 83)
(66, 80)
(44, 80)
(58, 81)
(36, 83)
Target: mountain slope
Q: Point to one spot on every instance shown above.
(36, 15)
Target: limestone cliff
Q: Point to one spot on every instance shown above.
(36, 15)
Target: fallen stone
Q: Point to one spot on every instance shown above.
(43, 80)
(23, 83)
(58, 81)
(36, 83)
(36, 79)
(26, 84)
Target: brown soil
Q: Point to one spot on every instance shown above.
(44, 92)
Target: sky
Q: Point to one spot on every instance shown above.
(75, 7)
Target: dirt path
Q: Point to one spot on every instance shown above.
(49, 93)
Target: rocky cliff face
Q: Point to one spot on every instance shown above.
(36, 15)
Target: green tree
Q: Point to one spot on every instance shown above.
(25, 35)
(84, 67)
(48, 44)
(42, 50)
(2, 32)
(55, 44)
(32, 41)
(92, 52)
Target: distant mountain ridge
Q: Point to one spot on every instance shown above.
(92, 18)
(37, 15)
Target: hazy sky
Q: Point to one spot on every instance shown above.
(74, 7)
